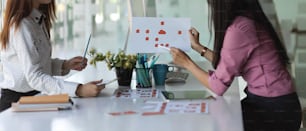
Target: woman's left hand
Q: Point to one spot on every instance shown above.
(179, 57)
(77, 63)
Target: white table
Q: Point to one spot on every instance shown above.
(91, 114)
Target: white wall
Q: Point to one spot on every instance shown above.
(286, 9)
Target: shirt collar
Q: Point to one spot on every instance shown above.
(37, 16)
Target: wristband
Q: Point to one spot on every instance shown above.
(204, 51)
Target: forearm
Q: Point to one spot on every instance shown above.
(208, 54)
(199, 73)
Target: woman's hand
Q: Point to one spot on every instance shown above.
(179, 57)
(77, 63)
(194, 38)
(89, 89)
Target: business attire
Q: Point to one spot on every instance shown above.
(249, 51)
(27, 64)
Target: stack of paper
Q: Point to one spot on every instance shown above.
(43, 103)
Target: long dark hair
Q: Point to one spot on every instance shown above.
(223, 13)
(16, 10)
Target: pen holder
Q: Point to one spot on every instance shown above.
(143, 77)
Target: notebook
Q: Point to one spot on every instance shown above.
(43, 103)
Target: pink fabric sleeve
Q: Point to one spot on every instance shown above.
(234, 54)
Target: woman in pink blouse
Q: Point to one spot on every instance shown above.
(245, 44)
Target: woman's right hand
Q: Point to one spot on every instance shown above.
(194, 38)
(89, 89)
(180, 57)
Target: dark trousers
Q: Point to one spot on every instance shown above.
(281, 113)
(9, 96)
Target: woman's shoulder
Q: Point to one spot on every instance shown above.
(243, 23)
(27, 26)
(24, 30)
(240, 34)
(27, 21)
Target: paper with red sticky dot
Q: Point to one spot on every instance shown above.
(149, 33)
(174, 107)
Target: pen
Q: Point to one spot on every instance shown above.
(84, 56)
(153, 60)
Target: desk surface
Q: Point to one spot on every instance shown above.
(91, 114)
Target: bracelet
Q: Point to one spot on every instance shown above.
(204, 51)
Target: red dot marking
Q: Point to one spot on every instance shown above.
(179, 32)
(137, 31)
(147, 31)
(162, 23)
(161, 44)
(147, 38)
(156, 39)
(162, 32)
(156, 45)
(167, 45)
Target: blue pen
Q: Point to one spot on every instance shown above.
(153, 60)
(142, 71)
(147, 70)
(145, 60)
(85, 52)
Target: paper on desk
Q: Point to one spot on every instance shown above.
(172, 107)
(154, 107)
(138, 93)
(186, 107)
(148, 33)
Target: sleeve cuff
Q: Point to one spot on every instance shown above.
(217, 86)
(57, 67)
(70, 88)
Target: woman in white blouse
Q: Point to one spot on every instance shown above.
(26, 55)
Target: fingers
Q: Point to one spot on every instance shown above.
(78, 59)
(101, 87)
(84, 61)
(79, 66)
(179, 57)
(193, 34)
(193, 31)
(95, 90)
(174, 50)
(78, 63)
(89, 90)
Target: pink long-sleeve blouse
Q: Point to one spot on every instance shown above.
(249, 51)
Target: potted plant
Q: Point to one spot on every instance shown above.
(123, 63)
